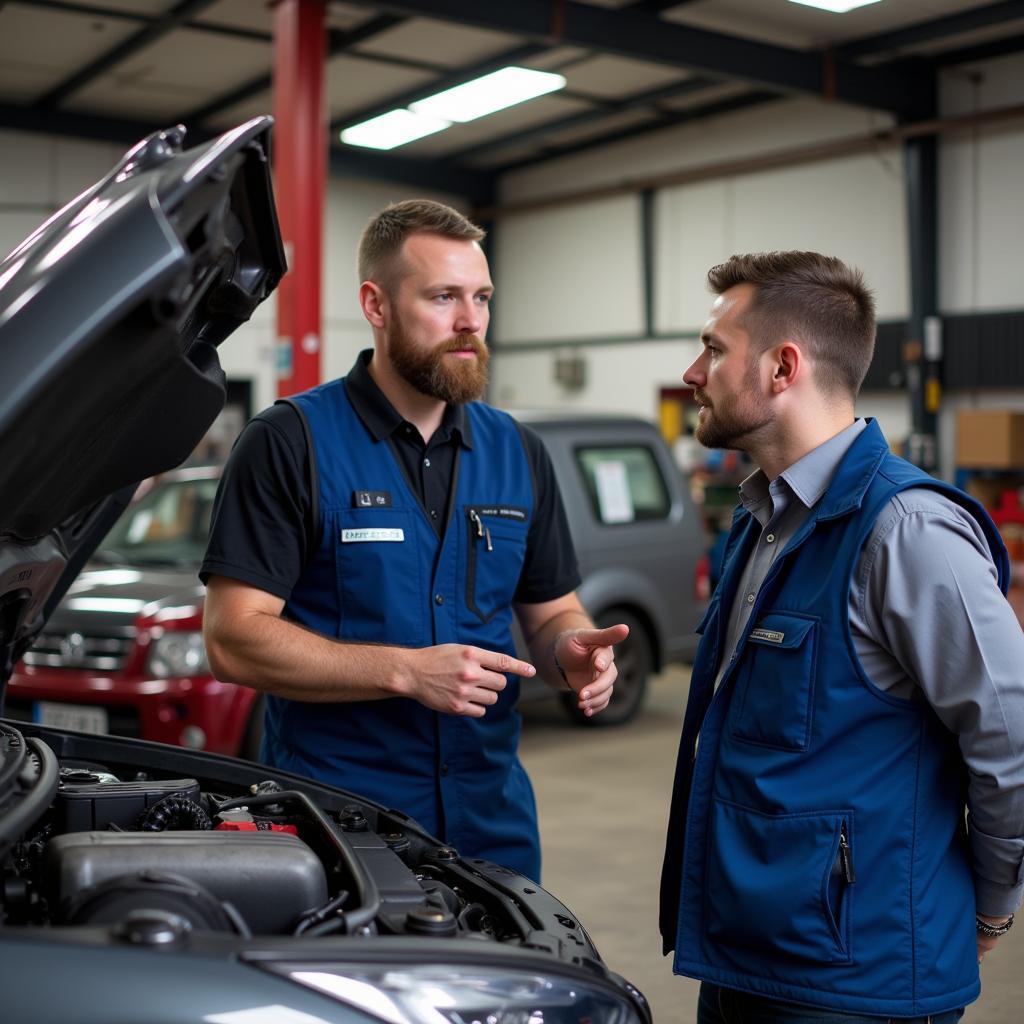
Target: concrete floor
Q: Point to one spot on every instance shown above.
(603, 797)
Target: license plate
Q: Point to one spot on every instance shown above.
(79, 717)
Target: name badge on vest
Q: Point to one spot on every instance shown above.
(370, 534)
(371, 499)
(771, 636)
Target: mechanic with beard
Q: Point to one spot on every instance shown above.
(370, 542)
(857, 689)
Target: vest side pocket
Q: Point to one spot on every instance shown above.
(781, 885)
(774, 690)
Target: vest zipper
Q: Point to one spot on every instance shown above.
(846, 857)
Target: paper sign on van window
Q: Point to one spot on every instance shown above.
(613, 495)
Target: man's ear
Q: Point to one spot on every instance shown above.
(787, 363)
(373, 303)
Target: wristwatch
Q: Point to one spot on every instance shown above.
(993, 931)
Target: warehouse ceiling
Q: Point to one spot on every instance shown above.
(118, 69)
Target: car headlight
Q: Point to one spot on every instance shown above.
(456, 994)
(178, 654)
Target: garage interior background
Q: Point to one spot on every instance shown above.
(892, 136)
(687, 131)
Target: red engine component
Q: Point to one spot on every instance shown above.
(254, 826)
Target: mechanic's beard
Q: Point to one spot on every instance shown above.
(454, 381)
(731, 422)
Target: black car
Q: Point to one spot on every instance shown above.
(147, 882)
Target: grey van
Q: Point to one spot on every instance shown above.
(639, 540)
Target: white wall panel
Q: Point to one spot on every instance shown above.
(570, 272)
(26, 168)
(77, 165)
(619, 378)
(850, 208)
(981, 206)
(762, 129)
(981, 221)
(16, 226)
(694, 231)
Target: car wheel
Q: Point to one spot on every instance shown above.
(252, 738)
(635, 661)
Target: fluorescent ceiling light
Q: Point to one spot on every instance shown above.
(836, 6)
(496, 91)
(394, 128)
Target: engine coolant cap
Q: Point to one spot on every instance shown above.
(430, 921)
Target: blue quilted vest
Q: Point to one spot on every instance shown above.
(817, 849)
(382, 575)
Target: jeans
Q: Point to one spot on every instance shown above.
(727, 1006)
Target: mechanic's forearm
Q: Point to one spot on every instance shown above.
(542, 643)
(269, 653)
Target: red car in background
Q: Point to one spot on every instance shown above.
(123, 652)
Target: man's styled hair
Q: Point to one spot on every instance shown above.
(384, 236)
(817, 300)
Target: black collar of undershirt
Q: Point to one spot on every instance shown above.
(382, 419)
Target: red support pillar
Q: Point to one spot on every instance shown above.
(300, 171)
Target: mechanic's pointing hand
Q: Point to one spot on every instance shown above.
(463, 680)
(587, 661)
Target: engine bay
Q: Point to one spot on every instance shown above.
(148, 853)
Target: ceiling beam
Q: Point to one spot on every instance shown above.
(337, 42)
(74, 125)
(174, 18)
(649, 98)
(656, 6)
(982, 51)
(477, 186)
(644, 36)
(936, 28)
(138, 18)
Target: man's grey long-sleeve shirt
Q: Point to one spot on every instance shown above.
(928, 621)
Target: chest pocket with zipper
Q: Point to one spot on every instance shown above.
(495, 538)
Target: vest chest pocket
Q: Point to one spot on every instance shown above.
(381, 584)
(774, 690)
(495, 550)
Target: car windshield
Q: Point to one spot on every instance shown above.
(166, 526)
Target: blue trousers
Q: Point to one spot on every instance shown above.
(727, 1006)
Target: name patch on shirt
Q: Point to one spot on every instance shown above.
(771, 636)
(370, 534)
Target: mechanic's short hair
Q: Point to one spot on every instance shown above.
(384, 236)
(815, 299)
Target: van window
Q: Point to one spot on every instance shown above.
(167, 526)
(624, 483)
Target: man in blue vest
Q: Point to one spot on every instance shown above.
(370, 542)
(857, 688)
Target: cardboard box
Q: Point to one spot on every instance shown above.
(989, 439)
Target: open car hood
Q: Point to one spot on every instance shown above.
(110, 317)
